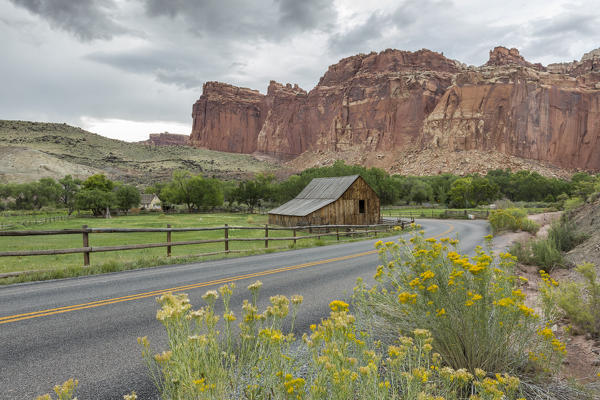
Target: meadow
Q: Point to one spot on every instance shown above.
(109, 261)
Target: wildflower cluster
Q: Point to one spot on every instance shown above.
(428, 283)
(337, 360)
(66, 391)
(202, 363)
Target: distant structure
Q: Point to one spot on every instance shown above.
(344, 200)
(150, 202)
(167, 139)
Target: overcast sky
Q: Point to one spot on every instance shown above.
(125, 68)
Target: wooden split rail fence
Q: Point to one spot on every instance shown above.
(314, 231)
(40, 221)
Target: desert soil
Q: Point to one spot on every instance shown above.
(583, 352)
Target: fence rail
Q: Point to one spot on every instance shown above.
(314, 231)
(40, 221)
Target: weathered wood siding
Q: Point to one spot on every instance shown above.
(343, 211)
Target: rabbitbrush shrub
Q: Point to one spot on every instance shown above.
(207, 360)
(511, 219)
(472, 306)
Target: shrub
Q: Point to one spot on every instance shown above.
(545, 254)
(472, 306)
(335, 361)
(563, 233)
(572, 203)
(511, 219)
(530, 226)
(579, 302)
(66, 391)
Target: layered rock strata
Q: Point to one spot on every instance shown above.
(167, 139)
(395, 101)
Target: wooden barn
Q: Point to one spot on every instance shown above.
(344, 200)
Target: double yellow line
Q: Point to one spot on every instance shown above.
(100, 303)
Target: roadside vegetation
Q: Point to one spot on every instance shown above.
(400, 341)
(511, 219)
(547, 252)
(579, 302)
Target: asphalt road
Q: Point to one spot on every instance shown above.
(87, 327)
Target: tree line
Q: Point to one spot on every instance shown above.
(443, 189)
(96, 194)
(195, 192)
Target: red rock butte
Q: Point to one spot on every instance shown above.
(397, 101)
(167, 139)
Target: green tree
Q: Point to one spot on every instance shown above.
(69, 188)
(461, 193)
(23, 195)
(97, 195)
(255, 191)
(100, 182)
(95, 200)
(47, 192)
(126, 197)
(483, 191)
(420, 191)
(205, 193)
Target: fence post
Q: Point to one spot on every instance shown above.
(226, 237)
(168, 241)
(86, 243)
(294, 230)
(266, 236)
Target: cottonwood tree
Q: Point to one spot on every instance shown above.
(127, 196)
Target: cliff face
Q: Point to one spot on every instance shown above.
(227, 118)
(167, 139)
(395, 101)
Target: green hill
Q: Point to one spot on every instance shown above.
(31, 150)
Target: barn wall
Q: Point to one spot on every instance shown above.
(344, 211)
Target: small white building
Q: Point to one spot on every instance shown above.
(150, 202)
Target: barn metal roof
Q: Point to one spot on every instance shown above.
(317, 194)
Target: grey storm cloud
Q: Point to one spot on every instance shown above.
(581, 24)
(272, 20)
(438, 25)
(86, 19)
(147, 59)
(177, 66)
(554, 36)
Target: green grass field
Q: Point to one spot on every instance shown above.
(109, 261)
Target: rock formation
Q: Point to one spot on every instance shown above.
(167, 139)
(386, 104)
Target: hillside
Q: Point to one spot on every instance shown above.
(31, 150)
(587, 220)
(377, 108)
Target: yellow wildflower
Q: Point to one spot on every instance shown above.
(427, 274)
(338, 305)
(433, 288)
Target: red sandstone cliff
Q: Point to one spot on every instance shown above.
(387, 103)
(167, 139)
(227, 118)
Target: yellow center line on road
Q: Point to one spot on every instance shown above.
(99, 303)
